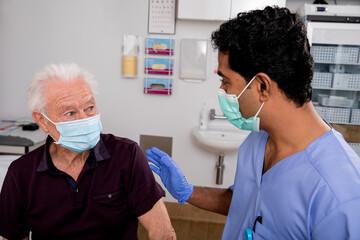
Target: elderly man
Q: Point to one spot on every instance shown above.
(81, 184)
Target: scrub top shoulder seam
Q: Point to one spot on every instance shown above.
(332, 135)
(322, 177)
(333, 210)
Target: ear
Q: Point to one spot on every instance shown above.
(40, 120)
(263, 86)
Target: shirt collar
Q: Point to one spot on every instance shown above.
(98, 153)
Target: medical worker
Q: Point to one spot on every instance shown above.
(296, 176)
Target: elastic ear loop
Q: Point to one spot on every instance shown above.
(48, 118)
(259, 110)
(56, 142)
(246, 87)
(258, 122)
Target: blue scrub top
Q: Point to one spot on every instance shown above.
(313, 194)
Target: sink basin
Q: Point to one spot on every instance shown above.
(220, 141)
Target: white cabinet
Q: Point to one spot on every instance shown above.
(204, 9)
(220, 9)
(336, 82)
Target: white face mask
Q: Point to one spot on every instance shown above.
(79, 135)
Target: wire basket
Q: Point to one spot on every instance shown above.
(335, 101)
(355, 116)
(323, 53)
(335, 54)
(322, 80)
(334, 115)
(347, 55)
(346, 81)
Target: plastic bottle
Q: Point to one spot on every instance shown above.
(203, 117)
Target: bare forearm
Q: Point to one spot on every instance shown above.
(212, 199)
(157, 223)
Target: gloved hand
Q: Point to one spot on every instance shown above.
(170, 174)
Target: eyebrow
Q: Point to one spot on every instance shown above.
(91, 100)
(65, 108)
(221, 74)
(69, 107)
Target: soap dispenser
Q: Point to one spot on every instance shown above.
(203, 117)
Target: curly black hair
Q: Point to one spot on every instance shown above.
(272, 41)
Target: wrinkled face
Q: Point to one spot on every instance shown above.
(233, 83)
(68, 101)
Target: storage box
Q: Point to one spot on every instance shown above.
(159, 46)
(347, 55)
(162, 66)
(323, 54)
(321, 111)
(322, 80)
(346, 81)
(355, 116)
(158, 86)
(334, 54)
(334, 101)
(334, 115)
(338, 115)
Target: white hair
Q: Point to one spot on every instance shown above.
(60, 72)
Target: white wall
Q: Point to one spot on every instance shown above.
(89, 32)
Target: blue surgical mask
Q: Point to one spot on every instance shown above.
(230, 107)
(79, 135)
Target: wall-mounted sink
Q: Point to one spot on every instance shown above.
(218, 136)
(219, 141)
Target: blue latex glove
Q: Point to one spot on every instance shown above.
(170, 174)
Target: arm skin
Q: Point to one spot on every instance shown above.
(157, 222)
(212, 199)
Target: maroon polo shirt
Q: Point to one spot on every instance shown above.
(115, 186)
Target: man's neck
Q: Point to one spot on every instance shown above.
(292, 130)
(67, 161)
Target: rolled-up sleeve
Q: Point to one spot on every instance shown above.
(143, 189)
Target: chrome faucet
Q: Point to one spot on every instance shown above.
(213, 116)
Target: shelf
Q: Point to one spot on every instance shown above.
(356, 64)
(317, 104)
(338, 89)
(344, 123)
